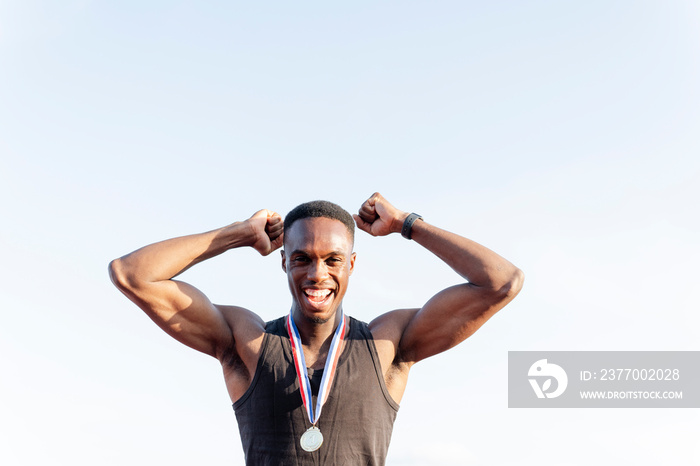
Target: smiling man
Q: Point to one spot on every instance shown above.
(316, 386)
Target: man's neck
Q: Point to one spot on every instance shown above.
(316, 334)
(316, 338)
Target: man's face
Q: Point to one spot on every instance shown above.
(318, 260)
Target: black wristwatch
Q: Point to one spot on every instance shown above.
(408, 225)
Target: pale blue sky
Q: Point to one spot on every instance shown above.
(563, 135)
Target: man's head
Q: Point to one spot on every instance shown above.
(318, 258)
(316, 209)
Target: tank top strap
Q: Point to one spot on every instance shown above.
(364, 333)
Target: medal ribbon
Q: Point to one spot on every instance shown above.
(328, 370)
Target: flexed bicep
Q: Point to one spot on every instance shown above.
(146, 277)
(180, 309)
(455, 313)
(449, 318)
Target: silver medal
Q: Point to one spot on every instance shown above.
(312, 439)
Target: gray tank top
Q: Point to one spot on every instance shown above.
(356, 421)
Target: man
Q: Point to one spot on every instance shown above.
(316, 387)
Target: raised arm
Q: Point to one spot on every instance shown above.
(146, 277)
(455, 313)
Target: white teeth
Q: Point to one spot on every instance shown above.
(317, 293)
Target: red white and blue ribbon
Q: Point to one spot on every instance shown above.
(328, 371)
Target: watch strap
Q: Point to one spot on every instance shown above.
(408, 225)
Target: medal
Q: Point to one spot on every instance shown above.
(312, 439)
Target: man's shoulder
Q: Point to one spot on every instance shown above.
(393, 322)
(276, 326)
(357, 322)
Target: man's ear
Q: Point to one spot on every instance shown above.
(352, 262)
(284, 261)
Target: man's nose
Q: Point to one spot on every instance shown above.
(317, 271)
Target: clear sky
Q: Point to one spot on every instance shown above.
(563, 135)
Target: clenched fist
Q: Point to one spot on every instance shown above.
(267, 228)
(378, 217)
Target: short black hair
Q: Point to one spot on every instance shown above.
(315, 209)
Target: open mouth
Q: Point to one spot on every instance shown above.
(317, 297)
